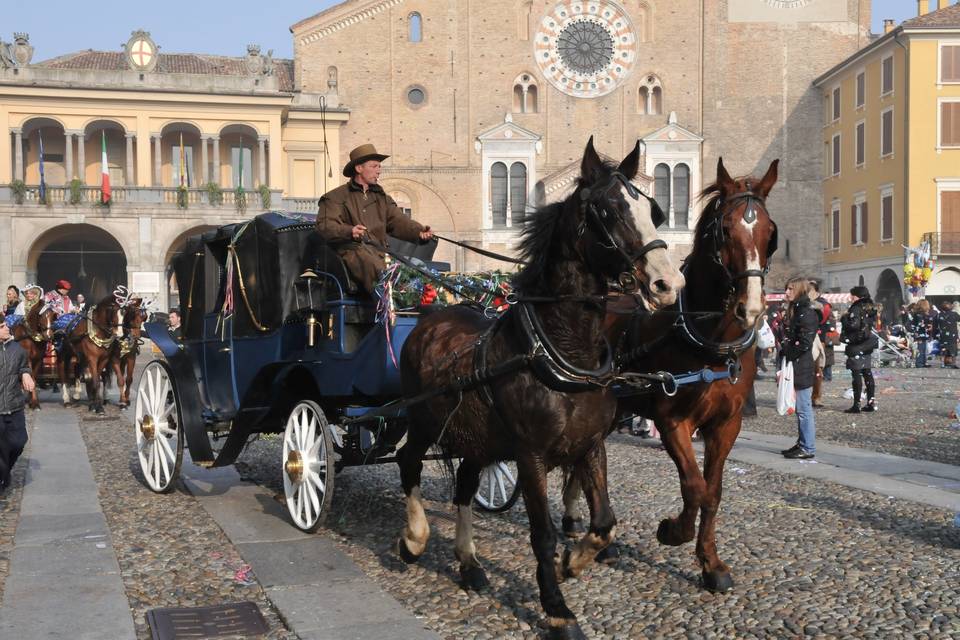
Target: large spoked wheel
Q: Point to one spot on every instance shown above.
(499, 488)
(308, 466)
(158, 428)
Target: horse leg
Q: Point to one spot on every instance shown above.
(572, 521)
(62, 375)
(129, 364)
(36, 366)
(591, 471)
(717, 445)
(98, 385)
(413, 540)
(471, 572)
(676, 531)
(561, 622)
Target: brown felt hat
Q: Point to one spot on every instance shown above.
(360, 155)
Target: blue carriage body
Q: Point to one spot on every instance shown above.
(247, 362)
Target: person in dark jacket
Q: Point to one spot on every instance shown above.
(800, 328)
(947, 334)
(921, 328)
(361, 209)
(858, 323)
(15, 378)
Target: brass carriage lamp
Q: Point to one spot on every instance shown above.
(310, 298)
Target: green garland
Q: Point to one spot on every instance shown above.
(411, 289)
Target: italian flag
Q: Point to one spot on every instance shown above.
(104, 170)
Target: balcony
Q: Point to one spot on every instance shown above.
(164, 198)
(944, 244)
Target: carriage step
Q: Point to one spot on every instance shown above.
(236, 619)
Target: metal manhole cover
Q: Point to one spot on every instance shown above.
(236, 619)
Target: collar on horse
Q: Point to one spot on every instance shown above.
(103, 343)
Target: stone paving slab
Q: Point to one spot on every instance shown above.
(318, 590)
(64, 579)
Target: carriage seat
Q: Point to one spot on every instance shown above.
(319, 256)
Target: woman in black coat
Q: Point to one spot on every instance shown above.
(800, 328)
(947, 334)
(858, 323)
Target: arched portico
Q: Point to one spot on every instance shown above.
(89, 257)
(890, 295)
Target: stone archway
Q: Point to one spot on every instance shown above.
(890, 295)
(90, 258)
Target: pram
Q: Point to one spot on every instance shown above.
(897, 351)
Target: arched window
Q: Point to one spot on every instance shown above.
(661, 186)
(525, 94)
(650, 96)
(415, 33)
(498, 193)
(681, 195)
(403, 202)
(518, 193)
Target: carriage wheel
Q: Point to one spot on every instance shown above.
(157, 427)
(499, 487)
(308, 466)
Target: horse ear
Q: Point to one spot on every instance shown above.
(769, 179)
(723, 178)
(591, 161)
(631, 164)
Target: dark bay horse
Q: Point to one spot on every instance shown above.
(544, 369)
(89, 341)
(33, 333)
(735, 239)
(123, 355)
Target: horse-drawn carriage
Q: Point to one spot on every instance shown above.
(276, 339)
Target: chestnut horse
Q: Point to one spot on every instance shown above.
(123, 356)
(89, 340)
(33, 333)
(712, 325)
(540, 373)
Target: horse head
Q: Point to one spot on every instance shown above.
(742, 237)
(47, 315)
(617, 229)
(134, 314)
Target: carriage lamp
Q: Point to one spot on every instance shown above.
(311, 296)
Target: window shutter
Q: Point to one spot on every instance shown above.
(864, 223)
(853, 224)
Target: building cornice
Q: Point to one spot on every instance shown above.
(339, 22)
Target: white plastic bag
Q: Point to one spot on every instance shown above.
(786, 394)
(766, 339)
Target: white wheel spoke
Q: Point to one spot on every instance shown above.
(166, 449)
(301, 507)
(490, 482)
(162, 400)
(148, 460)
(163, 451)
(317, 482)
(503, 490)
(166, 412)
(312, 494)
(156, 465)
(311, 434)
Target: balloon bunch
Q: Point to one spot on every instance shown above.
(918, 268)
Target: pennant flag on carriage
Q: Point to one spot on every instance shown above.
(183, 173)
(105, 193)
(43, 182)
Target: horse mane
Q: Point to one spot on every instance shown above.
(711, 194)
(549, 234)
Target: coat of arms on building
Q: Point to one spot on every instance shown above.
(142, 51)
(258, 64)
(17, 53)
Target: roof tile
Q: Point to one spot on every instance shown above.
(946, 17)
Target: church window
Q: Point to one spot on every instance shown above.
(518, 192)
(661, 186)
(681, 195)
(415, 33)
(525, 94)
(498, 193)
(650, 96)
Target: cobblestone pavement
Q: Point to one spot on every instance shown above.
(808, 557)
(913, 420)
(171, 553)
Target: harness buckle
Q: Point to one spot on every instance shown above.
(668, 383)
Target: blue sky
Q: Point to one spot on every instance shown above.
(57, 27)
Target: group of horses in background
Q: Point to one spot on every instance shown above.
(597, 301)
(103, 339)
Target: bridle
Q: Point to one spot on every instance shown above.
(717, 235)
(597, 203)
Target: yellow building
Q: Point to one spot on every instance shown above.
(892, 157)
(209, 124)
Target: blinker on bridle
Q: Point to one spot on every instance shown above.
(596, 202)
(723, 206)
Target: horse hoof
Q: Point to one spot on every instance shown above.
(717, 581)
(667, 534)
(474, 578)
(569, 631)
(405, 554)
(572, 527)
(609, 556)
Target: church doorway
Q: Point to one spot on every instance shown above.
(890, 295)
(87, 256)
